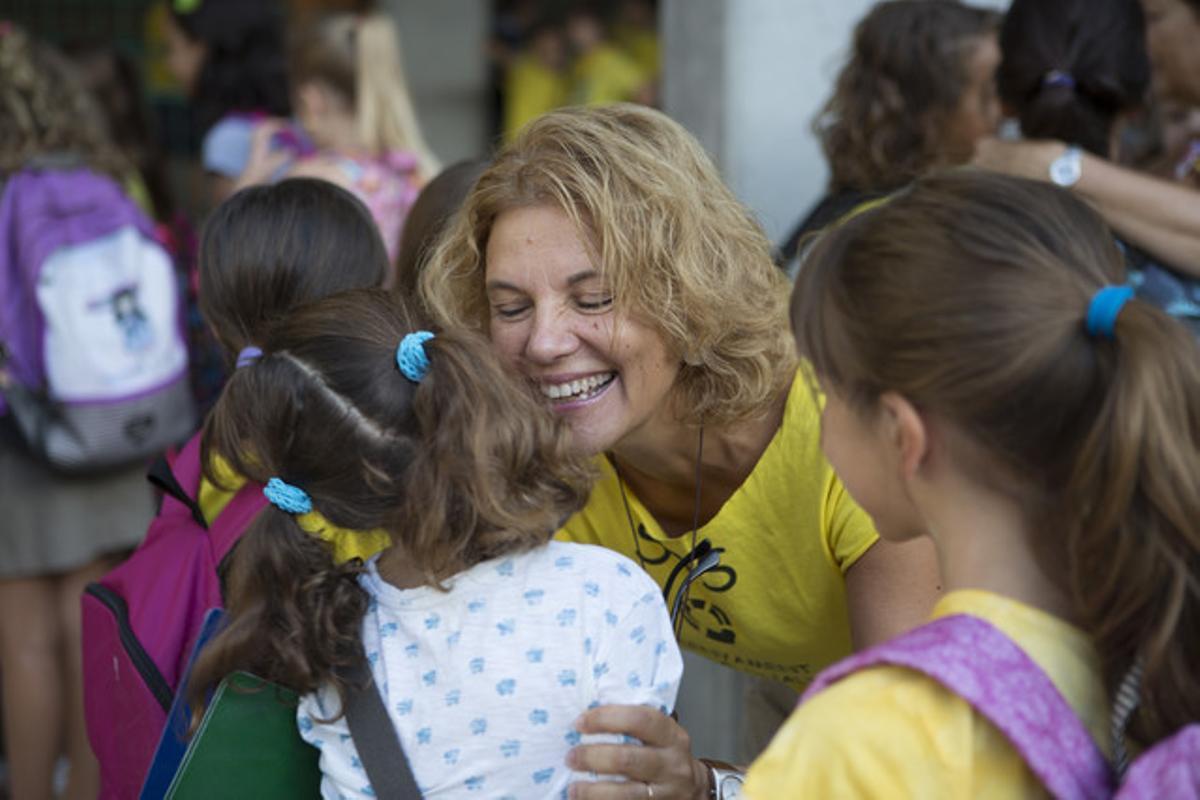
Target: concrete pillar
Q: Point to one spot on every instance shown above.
(445, 58)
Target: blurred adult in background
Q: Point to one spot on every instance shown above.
(916, 92)
(600, 71)
(536, 79)
(228, 55)
(1159, 216)
(1078, 72)
(636, 32)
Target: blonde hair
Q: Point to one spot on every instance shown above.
(46, 110)
(359, 57)
(678, 249)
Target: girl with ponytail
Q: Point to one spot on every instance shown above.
(485, 639)
(988, 383)
(352, 98)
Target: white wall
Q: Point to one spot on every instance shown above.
(769, 66)
(443, 45)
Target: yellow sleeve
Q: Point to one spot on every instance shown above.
(881, 737)
(848, 530)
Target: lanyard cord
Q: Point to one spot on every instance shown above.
(687, 583)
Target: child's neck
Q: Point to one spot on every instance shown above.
(397, 569)
(984, 541)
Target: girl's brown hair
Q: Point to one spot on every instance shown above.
(459, 468)
(45, 110)
(885, 123)
(677, 247)
(967, 295)
(268, 249)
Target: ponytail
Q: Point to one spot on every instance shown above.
(1134, 556)
(492, 473)
(295, 617)
(1070, 68)
(386, 117)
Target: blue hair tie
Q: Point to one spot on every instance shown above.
(1104, 309)
(1058, 79)
(411, 357)
(286, 497)
(248, 356)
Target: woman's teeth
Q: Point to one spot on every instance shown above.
(581, 389)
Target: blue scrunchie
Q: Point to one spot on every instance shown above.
(286, 497)
(1104, 309)
(411, 357)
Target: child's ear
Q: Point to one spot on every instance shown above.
(906, 432)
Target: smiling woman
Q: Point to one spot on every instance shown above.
(613, 269)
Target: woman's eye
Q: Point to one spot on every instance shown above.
(595, 303)
(509, 311)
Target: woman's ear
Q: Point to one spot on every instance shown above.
(905, 432)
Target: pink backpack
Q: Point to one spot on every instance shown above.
(141, 619)
(976, 661)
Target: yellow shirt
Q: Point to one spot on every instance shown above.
(776, 606)
(606, 75)
(346, 544)
(642, 46)
(531, 89)
(891, 732)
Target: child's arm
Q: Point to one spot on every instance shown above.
(637, 670)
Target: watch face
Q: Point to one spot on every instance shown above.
(729, 787)
(1066, 169)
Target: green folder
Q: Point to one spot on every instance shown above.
(247, 745)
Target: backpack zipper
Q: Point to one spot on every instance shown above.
(142, 661)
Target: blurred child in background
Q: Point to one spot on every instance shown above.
(59, 533)
(351, 97)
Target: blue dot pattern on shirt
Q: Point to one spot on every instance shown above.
(484, 682)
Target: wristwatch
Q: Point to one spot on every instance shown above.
(1067, 168)
(724, 779)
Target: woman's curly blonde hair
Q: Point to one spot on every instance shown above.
(680, 252)
(45, 109)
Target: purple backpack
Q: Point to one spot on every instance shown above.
(141, 620)
(90, 323)
(976, 661)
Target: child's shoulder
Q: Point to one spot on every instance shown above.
(876, 728)
(594, 561)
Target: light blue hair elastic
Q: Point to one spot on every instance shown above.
(248, 356)
(411, 357)
(286, 497)
(1104, 309)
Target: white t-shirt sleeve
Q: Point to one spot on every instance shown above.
(638, 661)
(342, 774)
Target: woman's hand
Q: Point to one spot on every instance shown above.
(661, 767)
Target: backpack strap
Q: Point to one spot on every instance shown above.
(979, 663)
(375, 737)
(180, 479)
(170, 477)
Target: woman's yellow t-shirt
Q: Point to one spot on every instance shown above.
(892, 732)
(346, 544)
(776, 606)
